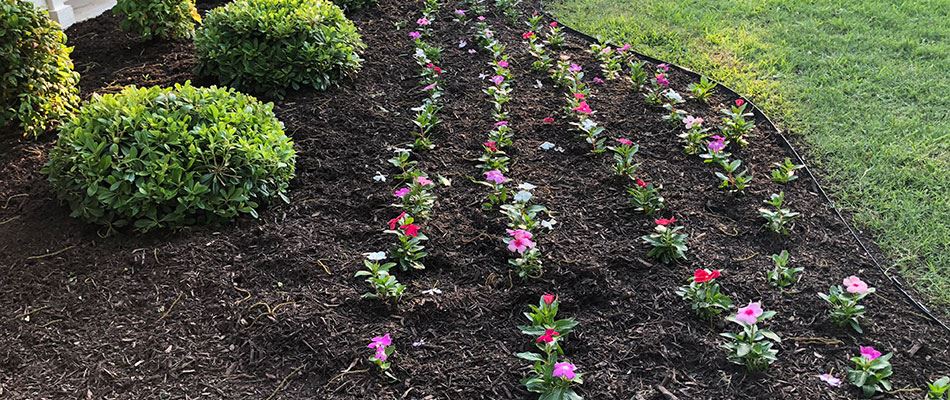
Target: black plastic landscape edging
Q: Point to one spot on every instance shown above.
(788, 147)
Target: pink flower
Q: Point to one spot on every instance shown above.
(624, 141)
(410, 230)
(429, 87)
(854, 284)
(717, 144)
(380, 342)
(563, 370)
(869, 353)
(625, 47)
(400, 193)
(598, 81)
(423, 181)
(481, 17)
(664, 67)
(548, 120)
(495, 176)
(423, 21)
(434, 68)
(579, 96)
(691, 121)
(527, 35)
(415, 35)
(548, 298)
(553, 24)
(460, 13)
(583, 108)
(520, 241)
(491, 145)
(661, 80)
(548, 336)
(705, 275)
(830, 379)
(641, 183)
(749, 314)
(381, 354)
(664, 221)
(501, 123)
(497, 79)
(395, 221)
(503, 64)
(519, 233)
(574, 68)
(739, 102)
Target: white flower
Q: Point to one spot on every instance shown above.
(433, 291)
(377, 256)
(546, 146)
(471, 51)
(672, 95)
(482, 75)
(526, 186)
(379, 177)
(538, 84)
(587, 124)
(462, 44)
(523, 196)
(549, 224)
(420, 53)
(830, 379)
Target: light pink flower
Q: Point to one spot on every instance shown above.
(564, 370)
(423, 21)
(869, 353)
(481, 17)
(519, 233)
(624, 141)
(598, 81)
(381, 354)
(415, 35)
(428, 87)
(625, 47)
(402, 192)
(830, 379)
(423, 181)
(691, 121)
(854, 284)
(503, 64)
(749, 314)
(495, 176)
(497, 79)
(460, 13)
(574, 68)
(520, 241)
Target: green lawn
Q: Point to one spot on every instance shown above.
(865, 82)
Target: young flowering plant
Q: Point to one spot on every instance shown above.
(520, 212)
(871, 371)
(383, 349)
(495, 179)
(549, 377)
(536, 47)
(704, 295)
(426, 120)
(645, 197)
(416, 198)
(658, 85)
(702, 89)
(668, 244)
(716, 151)
(779, 219)
(784, 172)
(781, 274)
(528, 257)
(407, 167)
(638, 73)
(591, 131)
(752, 347)
(735, 126)
(554, 36)
(732, 180)
(844, 301)
(938, 389)
(500, 93)
(611, 60)
(509, 8)
(384, 284)
(409, 250)
(623, 157)
(493, 158)
(695, 135)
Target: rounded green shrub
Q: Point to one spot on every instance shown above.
(165, 19)
(38, 87)
(351, 5)
(269, 46)
(163, 157)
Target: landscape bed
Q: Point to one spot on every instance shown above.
(269, 308)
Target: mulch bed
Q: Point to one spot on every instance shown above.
(269, 308)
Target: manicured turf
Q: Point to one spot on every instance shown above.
(865, 82)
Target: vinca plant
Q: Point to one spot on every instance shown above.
(845, 302)
(623, 157)
(703, 89)
(495, 180)
(409, 250)
(871, 371)
(638, 74)
(784, 172)
(668, 244)
(554, 37)
(781, 274)
(385, 286)
(383, 349)
(778, 219)
(611, 60)
(731, 178)
(549, 376)
(752, 347)
(416, 198)
(695, 135)
(645, 197)
(704, 294)
(938, 389)
(735, 126)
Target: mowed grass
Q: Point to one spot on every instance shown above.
(866, 83)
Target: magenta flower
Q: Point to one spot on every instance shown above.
(423, 181)
(520, 241)
(855, 285)
(717, 144)
(664, 67)
(563, 370)
(423, 21)
(583, 108)
(519, 233)
(400, 193)
(749, 314)
(501, 123)
(869, 353)
(380, 342)
(624, 141)
(598, 81)
(547, 337)
(661, 80)
(574, 68)
(691, 121)
(625, 47)
(414, 35)
(495, 176)
(497, 79)
(830, 379)
(503, 64)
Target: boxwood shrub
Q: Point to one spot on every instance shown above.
(269, 46)
(163, 157)
(165, 19)
(38, 87)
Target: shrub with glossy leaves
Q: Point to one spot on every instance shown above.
(38, 86)
(163, 157)
(269, 46)
(351, 5)
(166, 19)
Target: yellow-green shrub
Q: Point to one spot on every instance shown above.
(166, 19)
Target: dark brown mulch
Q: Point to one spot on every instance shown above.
(269, 308)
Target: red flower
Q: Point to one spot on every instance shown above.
(548, 336)
(527, 35)
(739, 102)
(705, 275)
(664, 221)
(548, 298)
(641, 183)
(491, 145)
(548, 120)
(434, 68)
(395, 221)
(411, 229)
